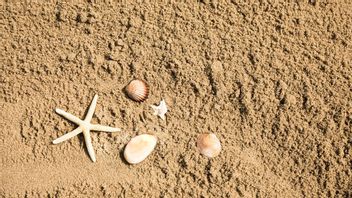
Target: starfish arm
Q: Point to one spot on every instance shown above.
(69, 116)
(91, 109)
(68, 135)
(162, 103)
(98, 127)
(164, 108)
(89, 145)
(162, 116)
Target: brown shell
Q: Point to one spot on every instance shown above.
(209, 145)
(137, 90)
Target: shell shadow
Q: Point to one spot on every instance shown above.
(122, 157)
(124, 91)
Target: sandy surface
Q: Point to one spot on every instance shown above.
(272, 80)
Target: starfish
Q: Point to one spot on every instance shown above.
(84, 126)
(160, 110)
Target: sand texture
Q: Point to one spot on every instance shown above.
(272, 80)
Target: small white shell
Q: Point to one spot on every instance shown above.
(137, 90)
(139, 147)
(209, 145)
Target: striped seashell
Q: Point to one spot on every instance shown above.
(209, 145)
(137, 90)
(139, 147)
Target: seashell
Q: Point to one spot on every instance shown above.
(139, 147)
(137, 90)
(209, 145)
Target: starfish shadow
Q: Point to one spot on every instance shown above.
(82, 143)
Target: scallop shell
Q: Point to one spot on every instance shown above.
(139, 147)
(209, 145)
(137, 90)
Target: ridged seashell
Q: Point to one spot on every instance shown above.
(139, 147)
(137, 90)
(209, 145)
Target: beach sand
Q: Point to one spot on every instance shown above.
(272, 80)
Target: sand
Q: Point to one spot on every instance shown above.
(272, 80)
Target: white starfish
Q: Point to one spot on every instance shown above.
(160, 110)
(84, 126)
